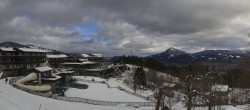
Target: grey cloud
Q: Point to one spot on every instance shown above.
(147, 26)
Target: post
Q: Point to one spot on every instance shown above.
(39, 79)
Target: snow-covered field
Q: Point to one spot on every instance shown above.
(14, 99)
(100, 91)
(89, 78)
(115, 83)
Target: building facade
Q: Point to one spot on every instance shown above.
(56, 60)
(13, 60)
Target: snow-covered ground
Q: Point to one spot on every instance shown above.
(89, 78)
(115, 83)
(14, 99)
(100, 91)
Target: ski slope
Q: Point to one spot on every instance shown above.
(14, 99)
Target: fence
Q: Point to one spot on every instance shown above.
(120, 88)
(84, 80)
(137, 95)
(77, 99)
(105, 103)
(12, 83)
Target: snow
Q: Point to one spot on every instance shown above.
(171, 55)
(89, 78)
(115, 83)
(83, 63)
(85, 55)
(97, 55)
(52, 79)
(7, 49)
(100, 91)
(14, 99)
(169, 84)
(237, 56)
(31, 50)
(83, 60)
(221, 88)
(96, 69)
(57, 56)
(92, 55)
(42, 69)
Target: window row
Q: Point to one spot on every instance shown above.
(21, 66)
(22, 54)
(22, 60)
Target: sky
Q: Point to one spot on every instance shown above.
(115, 27)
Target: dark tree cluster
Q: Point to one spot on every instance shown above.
(139, 78)
(150, 63)
(238, 78)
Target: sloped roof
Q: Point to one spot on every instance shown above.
(7, 49)
(32, 50)
(43, 69)
(57, 56)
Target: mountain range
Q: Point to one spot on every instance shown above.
(175, 56)
(171, 56)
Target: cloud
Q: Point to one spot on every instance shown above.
(146, 27)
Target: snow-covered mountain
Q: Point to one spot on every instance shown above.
(175, 56)
(17, 45)
(219, 55)
(52, 51)
(172, 56)
(12, 44)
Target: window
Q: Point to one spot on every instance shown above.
(10, 66)
(3, 66)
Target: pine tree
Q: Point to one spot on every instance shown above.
(143, 80)
(139, 77)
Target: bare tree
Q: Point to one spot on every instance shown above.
(171, 101)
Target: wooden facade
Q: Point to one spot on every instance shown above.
(13, 60)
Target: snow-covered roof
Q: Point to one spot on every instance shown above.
(66, 72)
(97, 55)
(221, 88)
(85, 55)
(31, 50)
(43, 69)
(83, 60)
(52, 79)
(7, 49)
(57, 56)
(169, 84)
(82, 63)
(92, 55)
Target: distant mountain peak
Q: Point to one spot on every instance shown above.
(11, 44)
(174, 51)
(171, 48)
